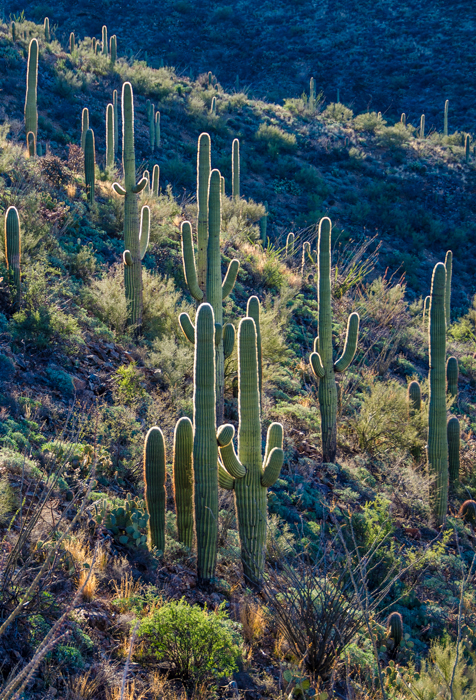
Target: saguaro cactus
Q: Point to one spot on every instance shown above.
(113, 48)
(414, 397)
(146, 174)
(155, 180)
(422, 126)
(251, 489)
(403, 119)
(31, 112)
(203, 177)
(290, 245)
(13, 250)
(452, 376)
(183, 480)
(449, 274)
(84, 126)
(71, 42)
(14, 32)
(213, 108)
(89, 165)
(154, 480)
(104, 41)
(426, 309)
(31, 142)
(437, 435)
(263, 224)
(312, 94)
(445, 122)
(253, 310)
(215, 290)
(235, 167)
(152, 127)
(46, 28)
(395, 628)
(467, 143)
(110, 136)
(321, 360)
(133, 266)
(116, 122)
(157, 129)
(306, 255)
(453, 433)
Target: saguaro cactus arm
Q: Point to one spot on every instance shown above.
(144, 231)
(224, 479)
(452, 375)
(350, 346)
(230, 278)
(188, 255)
(449, 273)
(228, 339)
(316, 365)
(187, 327)
(231, 462)
(272, 467)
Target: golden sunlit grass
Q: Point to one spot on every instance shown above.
(130, 692)
(253, 619)
(82, 687)
(90, 585)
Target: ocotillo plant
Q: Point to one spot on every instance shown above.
(449, 274)
(113, 48)
(445, 122)
(422, 126)
(84, 126)
(290, 245)
(13, 250)
(251, 489)
(263, 225)
(133, 266)
(157, 130)
(109, 136)
(414, 398)
(321, 360)
(104, 41)
(71, 43)
(216, 290)
(453, 433)
(235, 167)
(155, 180)
(253, 310)
(46, 27)
(116, 122)
(31, 143)
(183, 480)
(437, 435)
(152, 127)
(452, 376)
(89, 165)
(154, 480)
(31, 111)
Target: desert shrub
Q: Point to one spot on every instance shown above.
(370, 121)
(44, 328)
(179, 172)
(172, 359)
(8, 501)
(337, 112)
(394, 136)
(163, 304)
(275, 140)
(200, 646)
(129, 389)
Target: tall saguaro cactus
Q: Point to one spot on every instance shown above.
(235, 167)
(321, 360)
(203, 177)
(445, 124)
(109, 136)
(89, 165)
(46, 28)
(449, 274)
(251, 489)
(31, 111)
(183, 480)
(437, 435)
(216, 290)
(132, 259)
(452, 373)
(84, 126)
(253, 310)
(154, 480)
(157, 130)
(104, 41)
(116, 122)
(13, 250)
(31, 143)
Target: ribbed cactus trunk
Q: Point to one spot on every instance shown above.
(422, 126)
(109, 136)
(203, 177)
(253, 310)
(157, 130)
(452, 374)
(453, 433)
(437, 436)
(183, 480)
(205, 448)
(113, 49)
(154, 480)
(116, 123)
(449, 275)
(31, 111)
(30, 139)
(84, 126)
(13, 251)
(414, 398)
(155, 180)
(89, 165)
(214, 282)
(445, 124)
(46, 27)
(104, 41)
(235, 167)
(71, 42)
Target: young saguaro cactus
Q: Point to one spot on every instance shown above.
(449, 274)
(46, 28)
(116, 122)
(13, 250)
(422, 127)
(71, 43)
(183, 480)
(132, 259)
(152, 127)
(306, 255)
(414, 397)
(155, 180)
(14, 32)
(312, 94)
(104, 41)
(31, 111)
(31, 142)
(157, 130)
(84, 126)
(89, 165)
(154, 480)
(290, 240)
(235, 167)
(251, 489)
(395, 628)
(322, 362)
(437, 431)
(445, 122)
(110, 136)
(215, 290)
(453, 432)
(113, 48)
(452, 373)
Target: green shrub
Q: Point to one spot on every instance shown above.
(336, 112)
(370, 121)
(200, 646)
(8, 501)
(44, 328)
(394, 136)
(275, 140)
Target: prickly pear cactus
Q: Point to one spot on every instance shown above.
(126, 520)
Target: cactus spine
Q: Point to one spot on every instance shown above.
(452, 376)
(235, 167)
(47, 30)
(89, 165)
(31, 111)
(71, 43)
(109, 136)
(104, 41)
(116, 122)
(453, 433)
(154, 480)
(183, 480)
(395, 628)
(437, 436)
(263, 224)
(422, 126)
(251, 489)
(449, 273)
(30, 139)
(414, 398)
(157, 129)
(113, 49)
(321, 360)
(133, 268)
(13, 250)
(84, 126)
(445, 126)
(155, 180)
